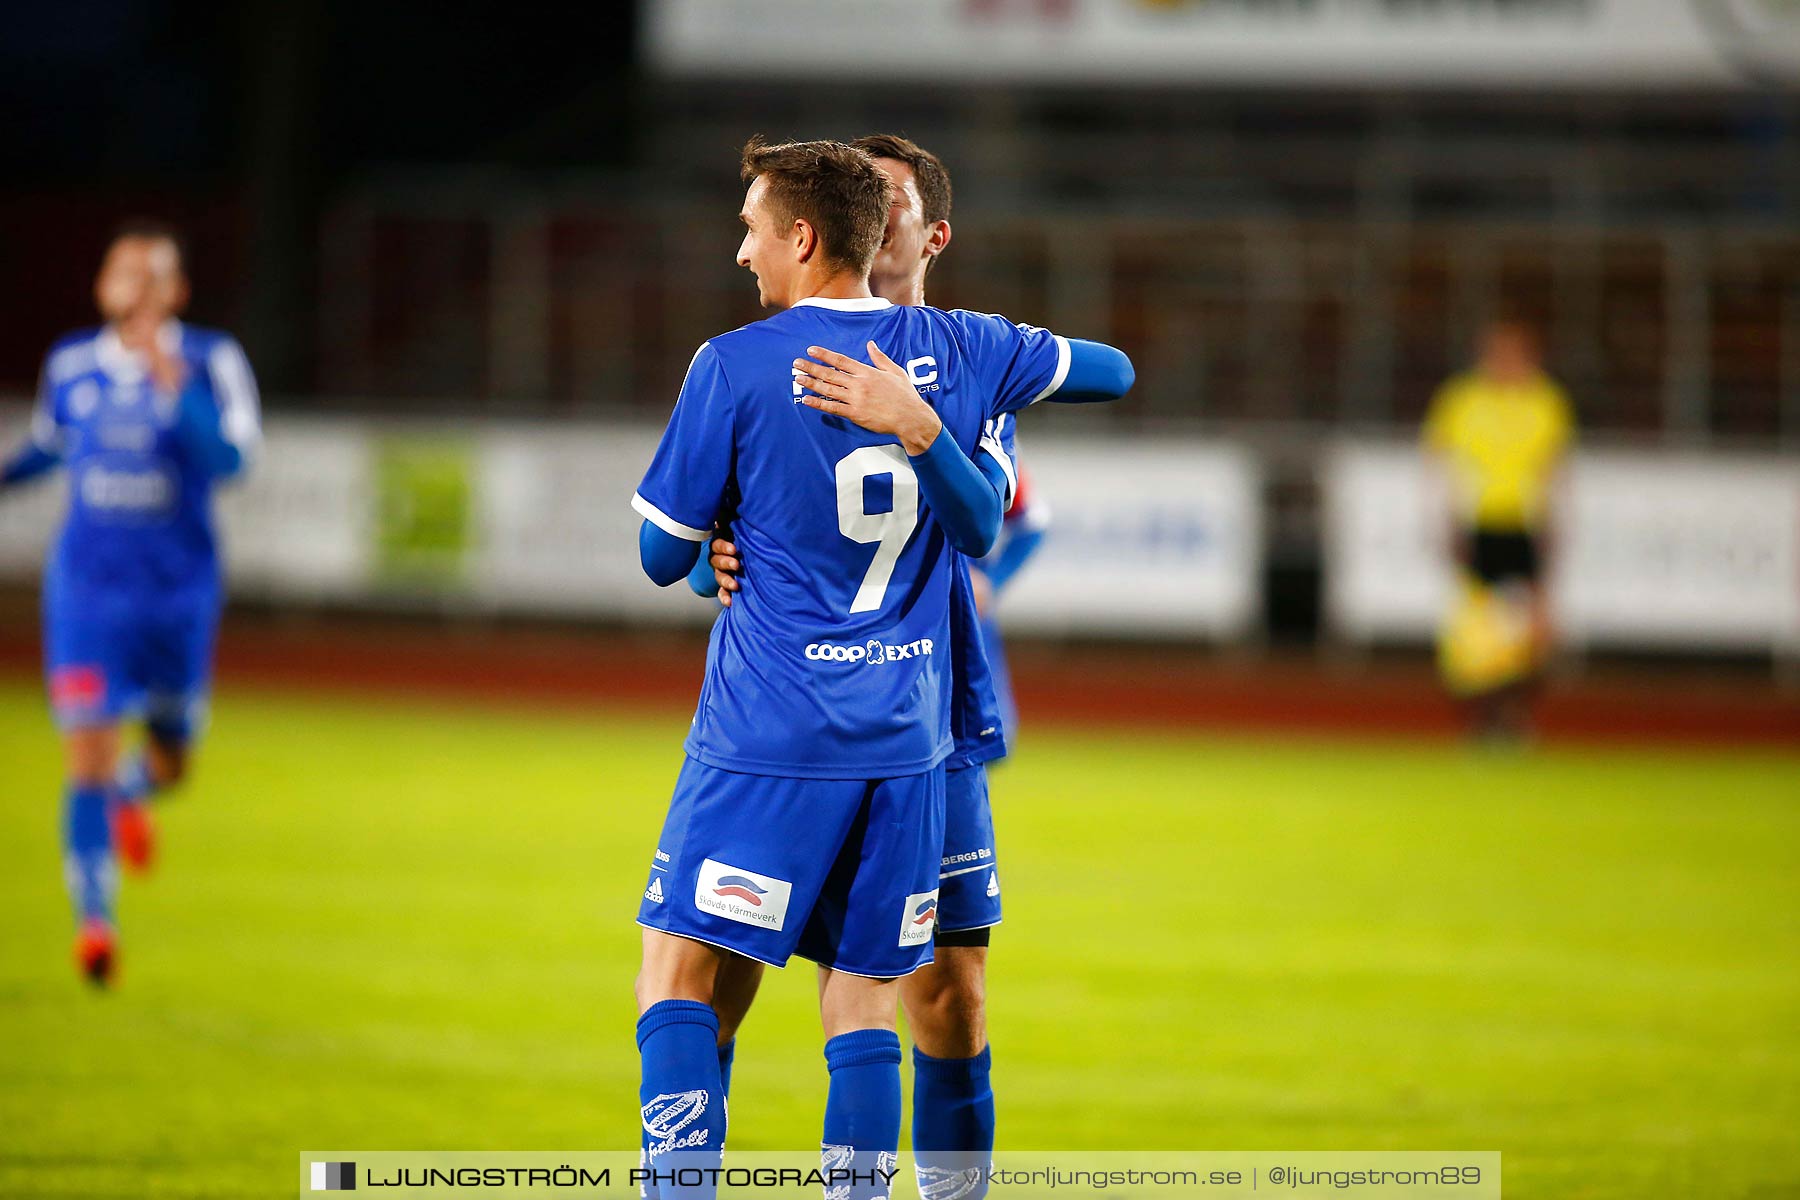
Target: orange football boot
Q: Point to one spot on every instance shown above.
(97, 951)
(134, 836)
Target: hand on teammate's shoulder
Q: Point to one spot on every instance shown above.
(876, 395)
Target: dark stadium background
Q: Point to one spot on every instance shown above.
(244, 122)
(303, 146)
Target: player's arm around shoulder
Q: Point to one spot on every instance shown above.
(880, 396)
(877, 395)
(718, 573)
(1025, 365)
(1097, 373)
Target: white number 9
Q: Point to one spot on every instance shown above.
(889, 529)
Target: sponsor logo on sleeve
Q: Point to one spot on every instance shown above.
(740, 895)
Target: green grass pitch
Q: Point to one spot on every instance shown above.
(384, 925)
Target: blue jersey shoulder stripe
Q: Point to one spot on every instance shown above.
(72, 360)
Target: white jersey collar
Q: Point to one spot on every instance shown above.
(127, 366)
(852, 304)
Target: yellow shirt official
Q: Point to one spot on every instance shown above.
(1502, 443)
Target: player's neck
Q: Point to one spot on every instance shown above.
(908, 289)
(141, 334)
(1509, 377)
(842, 285)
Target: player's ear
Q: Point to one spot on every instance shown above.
(805, 239)
(937, 239)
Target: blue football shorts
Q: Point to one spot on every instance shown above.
(110, 656)
(840, 871)
(968, 874)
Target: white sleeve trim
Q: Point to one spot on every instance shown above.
(1062, 368)
(239, 405)
(665, 522)
(990, 442)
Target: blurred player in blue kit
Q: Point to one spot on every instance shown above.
(808, 816)
(945, 1001)
(146, 414)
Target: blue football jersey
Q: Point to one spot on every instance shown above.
(833, 661)
(976, 722)
(139, 515)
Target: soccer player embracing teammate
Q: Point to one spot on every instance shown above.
(147, 414)
(809, 814)
(946, 1001)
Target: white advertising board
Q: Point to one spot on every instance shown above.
(1655, 549)
(1149, 537)
(1304, 43)
(1146, 537)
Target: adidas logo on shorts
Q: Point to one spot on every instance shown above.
(653, 893)
(993, 884)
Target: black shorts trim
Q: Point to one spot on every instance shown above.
(1502, 556)
(962, 937)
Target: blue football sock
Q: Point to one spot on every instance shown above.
(135, 784)
(727, 1052)
(87, 852)
(862, 1113)
(953, 1124)
(683, 1104)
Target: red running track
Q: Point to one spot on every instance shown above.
(1134, 687)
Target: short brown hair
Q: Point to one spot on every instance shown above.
(151, 229)
(927, 168)
(834, 187)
